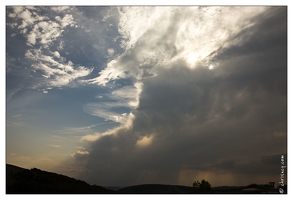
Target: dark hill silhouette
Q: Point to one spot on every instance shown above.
(156, 189)
(114, 188)
(36, 181)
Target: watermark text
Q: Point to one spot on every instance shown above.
(282, 174)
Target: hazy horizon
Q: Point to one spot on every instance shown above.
(121, 96)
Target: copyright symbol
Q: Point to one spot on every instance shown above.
(281, 190)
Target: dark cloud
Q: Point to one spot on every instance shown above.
(273, 159)
(231, 119)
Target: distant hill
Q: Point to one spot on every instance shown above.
(114, 188)
(177, 189)
(155, 189)
(36, 181)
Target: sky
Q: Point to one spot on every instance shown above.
(120, 96)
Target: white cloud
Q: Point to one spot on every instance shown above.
(61, 45)
(126, 92)
(110, 73)
(126, 97)
(67, 20)
(157, 36)
(111, 52)
(43, 30)
(112, 132)
(46, 32)
(56, 54)
(13, 24)
(95, 137)
(129, 93)
(40, 30)
(58, 73)
(105, 17)
(135, 21)
(60, 8)
(104, 110)
(27, 18)
(80, 154)
(32, 38)
(18, 9)
(12, 15)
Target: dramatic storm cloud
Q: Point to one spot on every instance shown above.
(169, 94)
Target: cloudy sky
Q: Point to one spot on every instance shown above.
(131, 95)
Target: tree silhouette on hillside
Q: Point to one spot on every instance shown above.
(202, 187)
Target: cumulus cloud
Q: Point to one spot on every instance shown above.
(195, 121)
(66, 20)
(41, 28)
(56, 54)
(48, 31)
